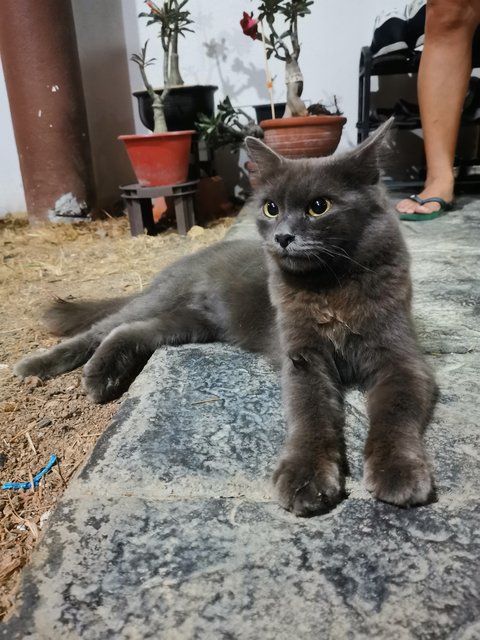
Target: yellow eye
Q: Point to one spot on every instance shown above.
(318, 207)
(270, 209)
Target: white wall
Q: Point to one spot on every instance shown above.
(331, 41)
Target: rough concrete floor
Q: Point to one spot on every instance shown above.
(170, 531)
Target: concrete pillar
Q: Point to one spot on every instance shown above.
(42, 74)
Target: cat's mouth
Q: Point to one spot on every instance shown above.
(292, 258)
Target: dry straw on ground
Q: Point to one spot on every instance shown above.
(37, 419)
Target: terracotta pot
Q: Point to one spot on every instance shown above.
(159, 158)
(304, 136)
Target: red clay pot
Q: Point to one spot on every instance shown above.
(159, 158)
(303, 136)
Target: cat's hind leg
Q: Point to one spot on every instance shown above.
(64, 357)
(68, 354)
(125, 351)
(400, 403)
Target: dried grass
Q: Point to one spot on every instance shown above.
(90, 259)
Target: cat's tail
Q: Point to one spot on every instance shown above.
(67, 318)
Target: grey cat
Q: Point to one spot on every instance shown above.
(325, 295)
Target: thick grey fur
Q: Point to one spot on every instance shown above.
(331, 308)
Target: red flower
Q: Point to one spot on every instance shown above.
(249, 25)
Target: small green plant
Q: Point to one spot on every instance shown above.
(229, 126)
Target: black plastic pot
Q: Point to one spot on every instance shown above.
(264, 111)
(182, 106)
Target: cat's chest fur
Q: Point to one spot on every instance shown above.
(332, 315)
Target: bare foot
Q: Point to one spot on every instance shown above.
(436, 189)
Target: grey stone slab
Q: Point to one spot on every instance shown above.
(447, 327)
(245, 226)
(199, 421)
(430, 267)
(445, 273)
(459, 228)
(446, 301)
(207, 421)
(240, 569)
(170, 530)
(452, 437)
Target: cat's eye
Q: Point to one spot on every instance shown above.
(270, 209)
(318, 207)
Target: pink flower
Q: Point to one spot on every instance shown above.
(249, 25)
(153, 7)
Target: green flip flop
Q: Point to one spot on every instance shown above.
(445, 207)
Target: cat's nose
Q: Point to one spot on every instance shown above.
(284, 239)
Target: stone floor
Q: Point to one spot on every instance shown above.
(170, 531)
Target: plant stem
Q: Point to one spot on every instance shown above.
(158, 102)
(294, 81)
(275, 40)
(294, 38)
(174, 77)
(166, 68)
(158, 105)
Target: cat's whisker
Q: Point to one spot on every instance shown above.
(310, 255)
(344, 254)
(333, 272)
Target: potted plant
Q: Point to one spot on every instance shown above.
(301, 132)
(228, 127)
(223, 132)
(183, 102)
(162, 157)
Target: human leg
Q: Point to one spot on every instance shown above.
(442, 85)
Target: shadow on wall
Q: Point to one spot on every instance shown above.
(247, 76)
(104, 65)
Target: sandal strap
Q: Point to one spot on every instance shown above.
(422, 201)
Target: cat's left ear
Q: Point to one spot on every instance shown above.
(364, 160)
(266, 161)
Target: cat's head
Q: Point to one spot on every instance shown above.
(315, 212)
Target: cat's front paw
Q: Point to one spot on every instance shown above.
(307, 488)
(402, 480)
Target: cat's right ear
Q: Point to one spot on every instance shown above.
(266, 161)
(362, 163)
